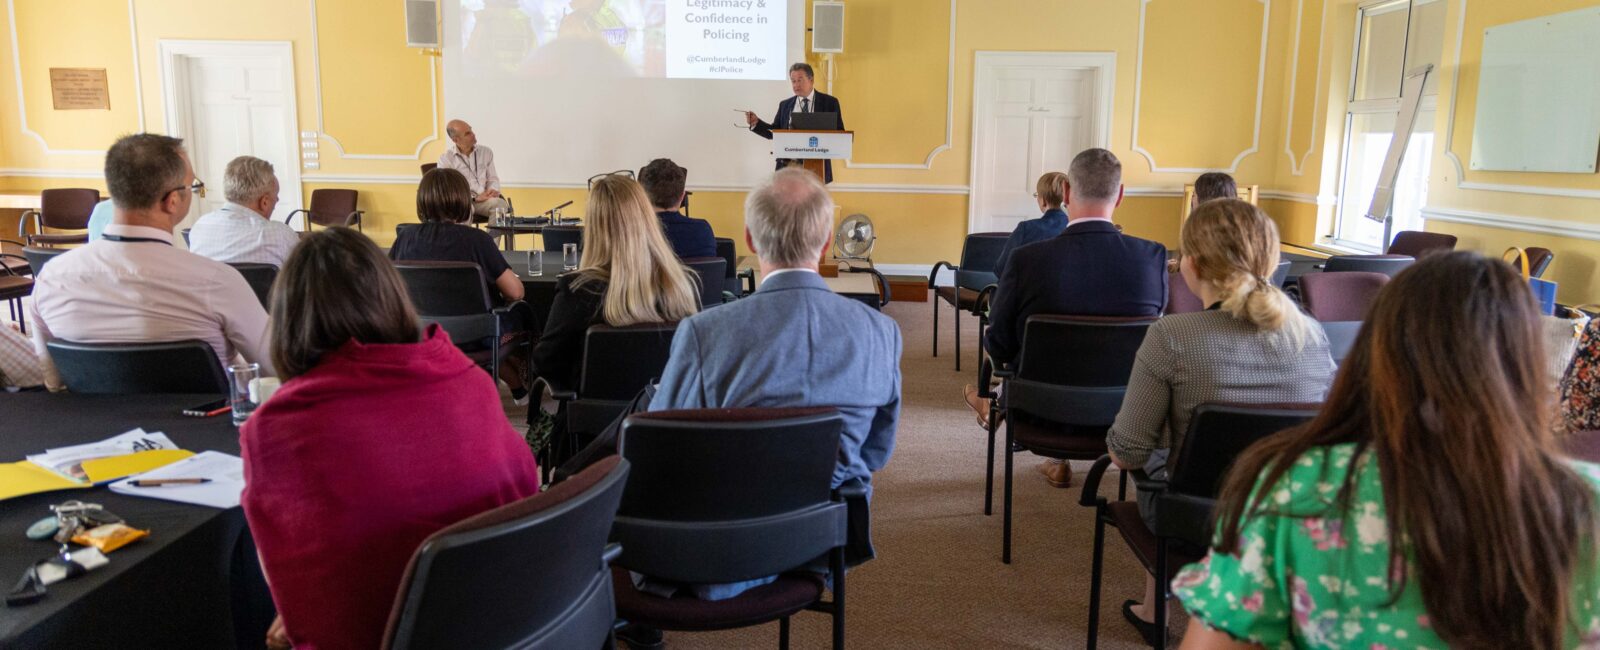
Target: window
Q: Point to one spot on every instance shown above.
(1392, 36)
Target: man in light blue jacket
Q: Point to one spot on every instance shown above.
(794, 342)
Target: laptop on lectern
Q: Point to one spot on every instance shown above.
(828, 121)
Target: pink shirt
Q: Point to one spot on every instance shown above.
(351, 465)
(146, 292)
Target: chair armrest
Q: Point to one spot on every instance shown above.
(22, 224)
(1091, 483)
(933, 274)
(12, 242)
(530, 317)
(7, 267)
(1005, 372)
(852, 489)
(747, 276)
(1144, 482)
(611, 553)
(353, 217)
(981, 305)
(558, 392)
(289, 218)
(883, 283)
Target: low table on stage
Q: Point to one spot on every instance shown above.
(508, 233)
(194, 582)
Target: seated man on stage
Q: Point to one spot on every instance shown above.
(806, 99)
(793, 315)
(663, 180)
(476, 162)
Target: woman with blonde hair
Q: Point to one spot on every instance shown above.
(1251, 345)
(628, 275)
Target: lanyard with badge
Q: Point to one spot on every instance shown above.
(132, 240)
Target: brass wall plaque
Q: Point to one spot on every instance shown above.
(79, 89)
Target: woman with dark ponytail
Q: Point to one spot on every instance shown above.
(1252, 345)
(1427, 505)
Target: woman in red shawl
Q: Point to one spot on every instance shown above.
(378, 438)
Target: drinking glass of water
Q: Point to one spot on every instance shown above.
(569, 257)
(497, 216)
(535, 263)
(240, 378)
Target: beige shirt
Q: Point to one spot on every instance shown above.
(146, 292)
(477, 166)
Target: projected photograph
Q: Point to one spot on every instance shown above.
(700, 39)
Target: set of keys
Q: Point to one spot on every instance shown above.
(70, 520)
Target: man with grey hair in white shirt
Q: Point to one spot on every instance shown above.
(476, 162)
(242, 230)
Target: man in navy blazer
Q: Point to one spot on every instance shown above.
(806, 99)
(663, 180)
(1090, 269)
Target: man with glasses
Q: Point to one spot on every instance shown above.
(133, 285)
(806, 99)
(476, 162)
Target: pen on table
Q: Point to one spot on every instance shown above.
(158, 482)
(216, 412)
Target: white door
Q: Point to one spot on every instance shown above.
(235, 100)
(1032, 113)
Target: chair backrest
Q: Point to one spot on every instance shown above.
(428, 167)
(729, 254)
(979, 253)
(1281, 275)
(530, 574)
(445, 288)
(1416, 243)
(723, 495)
(260, 277)
(709, 274)
(1340, 295)
(68, 208)
(1538, 260)
(619, 361)
(881, 284)
(1074, 369)
(38, 256)
(1217, 435)
(1180, 300)
(555, 236)
(1341, 338)
(332, 207)
(1386, 264)
(189, 366)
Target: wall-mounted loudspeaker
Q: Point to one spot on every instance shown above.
(827, 27)
(422, 23)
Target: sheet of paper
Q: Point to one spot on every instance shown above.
(68, 461)
(23, 477)
(225, 471)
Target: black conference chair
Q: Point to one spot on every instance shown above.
(1065, 391)
(1341, 338)
(1341, 295)
(455, 296)
(260, 277)
(877, 300)
(617, 363)
(38, 256)
(14, 286)
(979, 253)
(677, 522)
(556, 236)
(138, 368)
(330, 207)
(1417, 243)
(60, 209)
(708, 273)
(1386, 264)
(475, 584)
(1539, 260)
(1217, 435)
(738, 283)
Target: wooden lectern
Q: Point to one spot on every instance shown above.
(811, 148)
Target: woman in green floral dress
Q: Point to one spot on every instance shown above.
(1427, 506)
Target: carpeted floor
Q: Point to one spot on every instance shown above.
(938, 581)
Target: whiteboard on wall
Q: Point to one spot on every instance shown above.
(1539, 95)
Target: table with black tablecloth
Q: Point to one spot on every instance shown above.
(194, 582)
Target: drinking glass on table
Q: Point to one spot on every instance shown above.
(240, 378)
(569, 257)
(497, 216)
(535, 263)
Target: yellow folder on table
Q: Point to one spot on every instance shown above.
(17, 479)
(111, 468)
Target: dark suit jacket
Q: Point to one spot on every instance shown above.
(825, 104)
(1090, 269)
(689, 237)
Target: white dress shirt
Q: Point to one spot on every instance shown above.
(146, 292)
(234, 234)
(477, 166)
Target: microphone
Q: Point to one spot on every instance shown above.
(553, 210)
